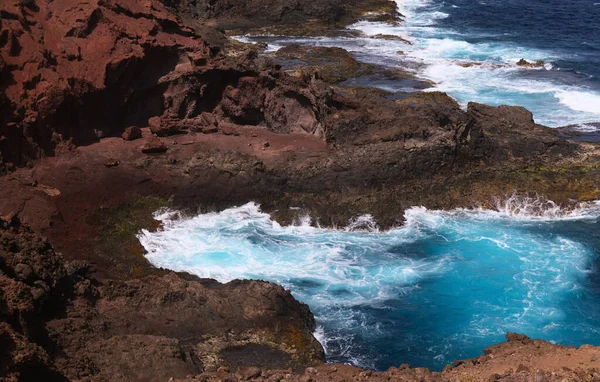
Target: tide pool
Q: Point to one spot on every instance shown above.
(442, 287)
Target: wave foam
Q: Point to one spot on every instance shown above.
(495, 80)
(366, 286)
(580, 101)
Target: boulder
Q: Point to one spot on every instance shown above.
(526, 64)
(132, 133)
(228, 129)
(168, 124)
(154, 145)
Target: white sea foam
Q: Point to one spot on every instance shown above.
(581, 101)
(363, 223)
(441, 55)
(347, 275)
(495, 80)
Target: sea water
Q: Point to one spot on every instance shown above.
(442, 287)
(469, 49)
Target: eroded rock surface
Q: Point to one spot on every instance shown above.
(520, 359)
(287, 16)
(78, 73)
(59, 323)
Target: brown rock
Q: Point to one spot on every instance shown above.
(248, 373)
(154, 145)
(112, 163)
(210, 129)
(154, 123)
(228, 129)
(522, 368)
(209, 119)
(524, 63)
(168, 124)
(89, 70)
(391, 37)
(539, 376)
(511, 336)
(132, 133)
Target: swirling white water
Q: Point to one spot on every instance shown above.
(565, 91)
(442, 287)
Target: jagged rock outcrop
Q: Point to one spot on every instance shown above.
(80, 73)
(509, 132)
(520, 359)
(306, 15)
(233, 127)
(59, 323)
(83, 71)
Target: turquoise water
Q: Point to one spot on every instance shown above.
(440, 288)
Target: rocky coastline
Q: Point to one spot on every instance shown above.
(110, 110)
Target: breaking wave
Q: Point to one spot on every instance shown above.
(474, 65)
(441, 287)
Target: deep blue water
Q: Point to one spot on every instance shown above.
(570, 29)
(442, 287)
(450, 36)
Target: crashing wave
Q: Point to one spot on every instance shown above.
(459, 278)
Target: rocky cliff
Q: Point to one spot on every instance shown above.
(75, 73)
(59, 323)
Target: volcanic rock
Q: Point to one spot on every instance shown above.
(71, 75)
(167, 124)
(154, 145)
(59, 323)
(332, 64)
(87, 72)
(524, 63)
(391, 37)
(228, 129)
(288, 16)
(132, 133)
(207, 123)
(84, 71)
(112, 163)
(210, 129)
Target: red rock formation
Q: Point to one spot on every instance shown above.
(132, 133)
(85, 70)
(82, 72)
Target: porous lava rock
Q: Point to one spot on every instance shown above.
(81, 73)
(57, 322)
(132, 133)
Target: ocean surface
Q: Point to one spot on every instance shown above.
(442, 287)
(494, 35)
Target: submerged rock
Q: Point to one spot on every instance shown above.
(391, 37)
(524, 63)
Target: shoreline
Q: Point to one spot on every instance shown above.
(208, 124)
(166, 250)
(388, 30)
